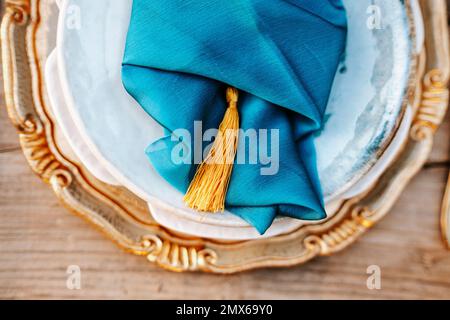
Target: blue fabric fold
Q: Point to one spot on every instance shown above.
(281, 54)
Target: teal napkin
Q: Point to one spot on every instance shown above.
(282, 55)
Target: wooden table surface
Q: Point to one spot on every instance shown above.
(39, 239)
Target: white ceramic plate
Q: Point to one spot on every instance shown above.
(68, 127)
(117, 130)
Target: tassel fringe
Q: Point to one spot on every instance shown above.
(209, 187)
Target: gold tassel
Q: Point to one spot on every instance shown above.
(209, 187)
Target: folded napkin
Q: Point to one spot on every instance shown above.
(282, 56)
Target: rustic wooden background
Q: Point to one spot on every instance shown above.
(39, 239)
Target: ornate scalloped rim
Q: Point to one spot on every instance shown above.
(26, 109)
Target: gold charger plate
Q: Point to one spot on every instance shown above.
(125, 219)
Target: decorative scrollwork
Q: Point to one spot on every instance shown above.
(36, 150)
(61, 179)
(18, 10)
(338, 237)
(175, 257)
(435, 98)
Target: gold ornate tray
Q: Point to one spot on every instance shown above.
(125, 219)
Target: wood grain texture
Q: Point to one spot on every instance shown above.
(39, 239)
